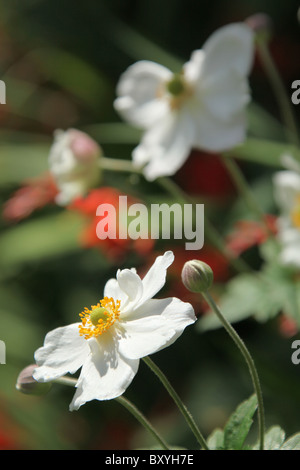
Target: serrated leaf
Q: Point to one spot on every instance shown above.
(239, 424)
(274, 438)
(293, 443)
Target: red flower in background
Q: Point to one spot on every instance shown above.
(205, 173)
(248, 233)
(11, 435)
(287, 326)
(113, 248)
(34, 194)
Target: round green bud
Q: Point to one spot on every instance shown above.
(28, 385)
(97, 314)
(197, 276)
(176, 85)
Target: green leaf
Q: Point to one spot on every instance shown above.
(216, 440)
(73, 74)
(22, 161)
(140, 48)
(114, 132)
(239, 424)
(261, 295)
(274, 438)
(293, 443)
(40, 239)
(262, 124)
(264, 152)
(238, 302)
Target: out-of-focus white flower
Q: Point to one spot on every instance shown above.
(74, 164)
(202, 107)
(289, 162)
(126, 325)
(287, 196)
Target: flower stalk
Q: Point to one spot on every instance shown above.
(181, 406)
(69, 381)
(279, 90)
(248, 358)
(245, 191)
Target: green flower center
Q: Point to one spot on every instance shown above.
(97, 314)
(176, 86)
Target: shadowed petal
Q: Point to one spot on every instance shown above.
(166, 145)
(105, 374)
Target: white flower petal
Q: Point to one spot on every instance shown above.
(131, 284)
(286, 189)
(229, 47)
(166, 145)
(138, 93)
(113, 289)
(225, 94)
(290, 252)
(64, 351)
(105, 374)
(155, 278)
(155, 325)
(216, 135)
(193, 68)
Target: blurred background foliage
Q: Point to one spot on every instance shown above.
(61, 61)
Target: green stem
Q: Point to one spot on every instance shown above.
(284, 101)
(248, 358)
(130, 407)
(141, 418)
(245, 191)
(118, 164)
(243, 187)
(181, 406)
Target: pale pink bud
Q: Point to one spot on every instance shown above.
(27, 384)
(197, 276)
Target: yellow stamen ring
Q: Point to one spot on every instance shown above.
(99, 318)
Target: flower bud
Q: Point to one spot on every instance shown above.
(27, 384)
(261, 24)
(197, 276)
(74, 164)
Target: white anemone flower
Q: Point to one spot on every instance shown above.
(126, 325)
(201, 107)
(74, 164)
(287, 196)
